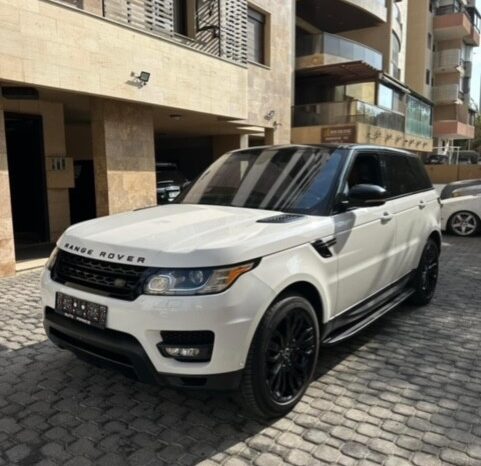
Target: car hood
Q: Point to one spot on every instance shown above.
(183, 235)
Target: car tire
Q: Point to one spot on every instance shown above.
(426, 277)
(464, 223)
(282, 357)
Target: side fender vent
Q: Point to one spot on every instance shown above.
(322, 247)
(283, 218)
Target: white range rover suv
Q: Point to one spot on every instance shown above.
(270, 254)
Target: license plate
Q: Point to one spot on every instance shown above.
(83, 311)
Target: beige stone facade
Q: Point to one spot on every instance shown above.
(7, 251)
(80, 62)
(123, 181)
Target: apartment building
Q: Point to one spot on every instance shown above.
(441, 37)
(94, 93)
(350, 76)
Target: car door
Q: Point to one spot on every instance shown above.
(412, 197)
(365, 238)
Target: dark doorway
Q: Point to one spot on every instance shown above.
(82, 197)
(191, 155)
(26, 166)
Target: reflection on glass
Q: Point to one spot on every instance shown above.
(293, 180)
(337, 46)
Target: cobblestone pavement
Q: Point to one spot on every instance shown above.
(406, 391)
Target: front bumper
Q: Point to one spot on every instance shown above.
(134, 330)
(122, 352)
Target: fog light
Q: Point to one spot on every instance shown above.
(198, 353)
(182, 352)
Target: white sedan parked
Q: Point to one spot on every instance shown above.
(462, 215)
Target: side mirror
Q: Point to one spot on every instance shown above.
(367, 195)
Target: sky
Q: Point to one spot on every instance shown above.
(476, 75)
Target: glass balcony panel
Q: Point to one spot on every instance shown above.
(355, 111)
(337, 49)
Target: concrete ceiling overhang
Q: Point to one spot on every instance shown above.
(167, 121)
(336, 15)
(342, 72)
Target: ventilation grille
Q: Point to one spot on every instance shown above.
(284, 218)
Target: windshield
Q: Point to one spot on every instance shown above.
(292, 179)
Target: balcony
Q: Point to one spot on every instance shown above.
(316, 51)
(351, 112)
(342, 15)
(455, 21)
(453, 129)
(447, 94)
(70, 51)
(156, 17)
(448, 61)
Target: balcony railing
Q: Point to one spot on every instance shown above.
(337, 49)
(448, 59)
(339, 113)
(448, 93)
(456, 6)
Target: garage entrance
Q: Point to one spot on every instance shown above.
(26, 166)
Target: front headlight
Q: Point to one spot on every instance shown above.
(195, 281)
(51, 260)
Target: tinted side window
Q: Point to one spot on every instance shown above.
(421, 178)
(366, 169)
(405, 175)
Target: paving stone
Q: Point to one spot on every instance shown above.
(455, 457)
(268, 459)
(396, 394)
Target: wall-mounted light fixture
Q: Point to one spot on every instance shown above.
(270, 115)
(142, 78)
(176, 116)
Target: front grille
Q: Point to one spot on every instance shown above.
(115, 280)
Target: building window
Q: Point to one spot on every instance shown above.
(184, 17)
(430, 40)
(428, 77)
(396, 50)
(390, 99)
(180, 17)
(256, 47)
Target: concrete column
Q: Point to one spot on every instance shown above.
(228, 142)
(7, 248)
(124, 156)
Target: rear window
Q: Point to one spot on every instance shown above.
(405, 175)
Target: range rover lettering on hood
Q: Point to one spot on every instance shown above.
(104, 254)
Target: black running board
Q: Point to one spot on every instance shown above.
(349, 332)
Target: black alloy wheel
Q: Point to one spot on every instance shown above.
(282, 358)
(290, 355)
(426, 277)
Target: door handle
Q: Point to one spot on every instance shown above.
(422, 205)
(387, 217)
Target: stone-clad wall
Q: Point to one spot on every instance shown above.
(45, 44)
(7, 250)
(124, 156)
(270, 87)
